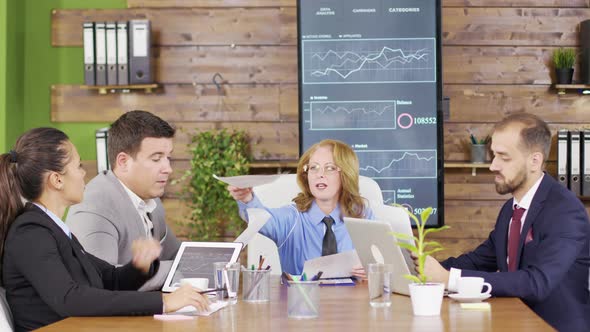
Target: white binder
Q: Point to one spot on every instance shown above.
(111, 28)
(102, 160)
(101, 53)
(89, 76)
(123, 71)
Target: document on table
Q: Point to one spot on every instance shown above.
(247, 181)
(257, 217)
(333, 266)
(189, 310)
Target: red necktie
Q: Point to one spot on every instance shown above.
(514, 237)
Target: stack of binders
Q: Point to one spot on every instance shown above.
(117, 53)
(573, 160)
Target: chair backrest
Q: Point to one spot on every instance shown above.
(5, 314)
(280, 193)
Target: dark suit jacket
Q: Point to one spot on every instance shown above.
(49, 277)
(552, 274)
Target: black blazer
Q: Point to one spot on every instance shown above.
(49, 277)
(552, 275)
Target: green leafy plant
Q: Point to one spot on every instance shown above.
(213, 210)
(564, 58)
(422, 248)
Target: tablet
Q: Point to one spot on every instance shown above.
(195, 260)
(374, 243)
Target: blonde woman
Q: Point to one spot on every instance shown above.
(328, 176)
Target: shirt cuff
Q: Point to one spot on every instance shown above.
(454, 275)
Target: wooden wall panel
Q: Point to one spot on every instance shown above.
(243, 26)
(457, 145)
(512, 26)
(487, 103)
(209, 3)
(268, 140)
(240, 64)
(512, 3)
(496, 61)
(273, 3)
(180, 103)
(194, 26)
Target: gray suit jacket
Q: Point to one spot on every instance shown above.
(106, 223)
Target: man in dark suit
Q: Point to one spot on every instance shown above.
(539, 248)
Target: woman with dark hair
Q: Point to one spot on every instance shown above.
(328, 176)
(47, 274)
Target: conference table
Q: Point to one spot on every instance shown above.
(342, 308)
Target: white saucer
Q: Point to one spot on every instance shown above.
(460, 298)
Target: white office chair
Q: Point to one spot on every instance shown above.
(5, 314)
(280, 193)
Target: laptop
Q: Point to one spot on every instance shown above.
(195, 260)
(374, 243)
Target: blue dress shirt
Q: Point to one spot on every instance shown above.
(299, 235)
(56, 220)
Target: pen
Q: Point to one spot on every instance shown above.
(267, 267)
(211, 290)
(317, 276)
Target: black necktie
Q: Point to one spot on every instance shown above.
(329, 246)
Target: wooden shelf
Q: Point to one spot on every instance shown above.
(473, 166)
(104, 89)
(561, 88)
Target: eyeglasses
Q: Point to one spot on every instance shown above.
(317, 169)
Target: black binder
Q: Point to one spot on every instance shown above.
(89, 76)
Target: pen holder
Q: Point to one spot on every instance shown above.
(303, 299)
(479, 153)
(256, 285)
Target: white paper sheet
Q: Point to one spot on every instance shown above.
(247, 181)
(333, 266)
(192, 311)
(257, 217)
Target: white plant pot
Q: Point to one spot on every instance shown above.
(427, 298)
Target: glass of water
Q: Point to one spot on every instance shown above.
(379, 285)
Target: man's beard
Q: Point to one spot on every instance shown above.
(510, 186)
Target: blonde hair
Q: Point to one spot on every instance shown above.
(351, 202)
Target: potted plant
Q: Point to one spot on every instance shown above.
(564, 59)
(213, 211)
(426, 296)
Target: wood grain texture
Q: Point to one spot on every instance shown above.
(512, 26)
(498, 65)
(240, 64)
(341, 309)
(515, 3)
(209, 3)
(457, 146)
(243, 26)
(489, 103)
(180, 103)
(188, 26)
(292, 3)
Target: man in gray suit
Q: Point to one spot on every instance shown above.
(123, 205)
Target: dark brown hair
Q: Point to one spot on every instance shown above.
(23, 169)
(534, 132)
(129, 130)
(351, 202)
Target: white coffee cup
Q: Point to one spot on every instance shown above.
(472, 287)
(200, 283)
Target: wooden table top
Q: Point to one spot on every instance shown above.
(342, 308)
